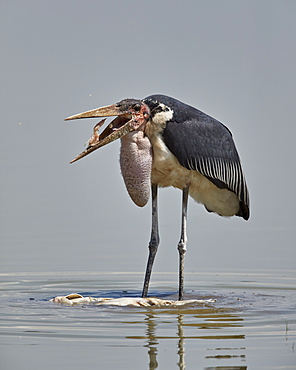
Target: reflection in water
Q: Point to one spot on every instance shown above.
(210, 321)
(152, 341)
(181, 348)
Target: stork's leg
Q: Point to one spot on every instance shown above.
(154, 241)
(183, 241)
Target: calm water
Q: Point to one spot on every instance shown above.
(252, 324)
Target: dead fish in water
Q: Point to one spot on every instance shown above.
(74, 299)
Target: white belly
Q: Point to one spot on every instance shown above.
(167, 171)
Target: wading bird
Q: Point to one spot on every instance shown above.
(165, 142)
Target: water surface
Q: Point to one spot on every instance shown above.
(252, 324)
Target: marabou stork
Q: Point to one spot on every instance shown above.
(165, 142)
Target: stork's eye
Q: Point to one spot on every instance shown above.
(136, 106)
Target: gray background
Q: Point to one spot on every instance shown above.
(235, 60)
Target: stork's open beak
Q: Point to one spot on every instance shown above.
(120, 126)
(108, 111)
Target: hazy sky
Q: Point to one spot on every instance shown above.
(235, 60)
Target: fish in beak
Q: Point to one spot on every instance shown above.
(131, 115)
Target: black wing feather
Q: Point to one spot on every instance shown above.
(204, 144)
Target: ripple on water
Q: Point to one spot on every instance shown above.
(252, 324)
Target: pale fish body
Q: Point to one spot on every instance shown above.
(136, 165)
(76, 299)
